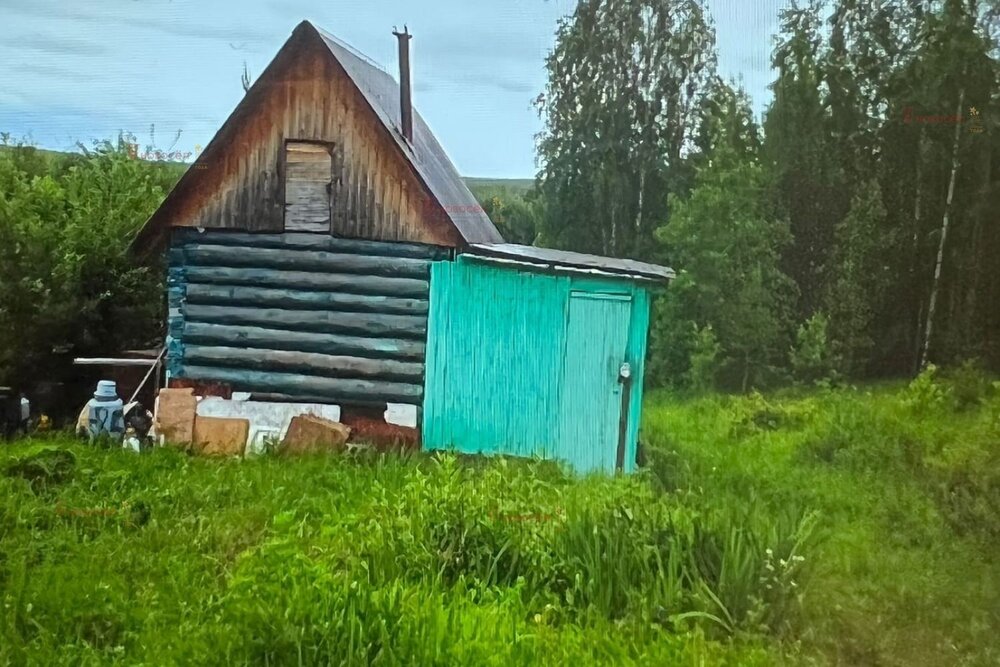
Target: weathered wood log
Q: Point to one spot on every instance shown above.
(295, 384)
(324, 365)
(299, 341)
(366, 324)
(273, 397)
(196, 254)
(263, 297)
(291, 241)
(306, 280)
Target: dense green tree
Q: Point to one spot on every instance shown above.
(857, 279)
(727, 238)
(726, 117)
(517, 216)
(626, 83)
(66, 283)
(883, 94)
(813, 360)
(799, 149)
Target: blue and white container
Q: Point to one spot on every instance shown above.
(105, 414)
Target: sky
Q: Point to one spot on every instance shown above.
(81, 70)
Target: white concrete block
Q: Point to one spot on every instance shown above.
(401, 414)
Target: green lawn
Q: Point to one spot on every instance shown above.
(847, 526)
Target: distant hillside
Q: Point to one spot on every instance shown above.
(517, 185)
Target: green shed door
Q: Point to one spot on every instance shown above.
(590, 406)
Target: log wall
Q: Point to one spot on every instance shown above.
(300, 316)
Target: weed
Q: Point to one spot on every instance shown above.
(44, 468)
(829, 526)
(970, 386)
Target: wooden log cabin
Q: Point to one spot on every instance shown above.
(324, 250)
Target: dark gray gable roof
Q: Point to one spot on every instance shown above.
(575, 261)
(425, 155)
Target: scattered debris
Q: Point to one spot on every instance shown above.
(138, 418)
(309, 433)
(401, 414)
(82, 423)
(202, 388)
(105, 414)
(216, 436)
(175, 411)
(269, 421)
(380, 434)
(131, 441)
(239, 426)
(15, 410)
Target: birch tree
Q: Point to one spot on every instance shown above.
(626, 80)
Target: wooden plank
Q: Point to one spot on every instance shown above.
(320, 321)
(309, 211)
(324, 365)
(373, 229)
(364, 212)
(350, 199)
(337, 189)
(304, 214)
(303, 151)
(233, 295)
(291, 240)
(301, 341)
(197, 254)
(113, 361)
(294, 384)
(307, 280)
(319, 226)
(308, 171)
(274, 397)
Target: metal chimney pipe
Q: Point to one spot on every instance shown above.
(405, 102)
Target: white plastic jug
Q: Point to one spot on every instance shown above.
(105, 413)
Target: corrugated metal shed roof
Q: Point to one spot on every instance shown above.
(556, 259)
(426, 154)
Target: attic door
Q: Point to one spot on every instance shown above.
(308, 175)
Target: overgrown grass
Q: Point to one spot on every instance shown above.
(166, 559)
(844, 526)
(906, 483)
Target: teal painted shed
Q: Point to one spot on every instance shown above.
(538, 353)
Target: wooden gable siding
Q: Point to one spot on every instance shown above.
(305, 96)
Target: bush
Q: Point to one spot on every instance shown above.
(43, 469)
(811, 358)
(970, 385)
(754, 414)
(862, 436)
(65, 280)
(704, 360)
(925, 393)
